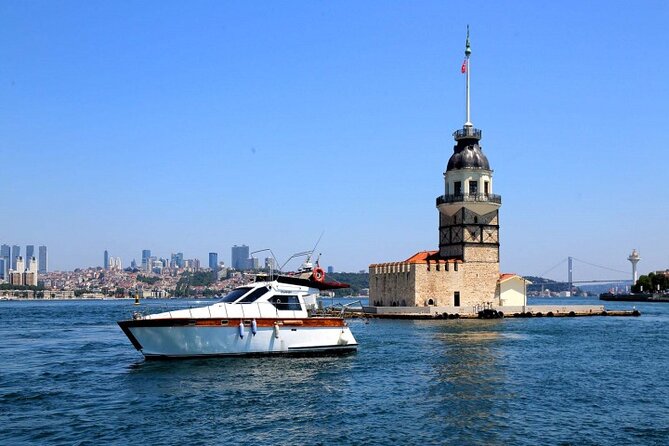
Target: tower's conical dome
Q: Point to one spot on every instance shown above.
(467, 154)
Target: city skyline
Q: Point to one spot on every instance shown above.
(270, 125)
(10, 254)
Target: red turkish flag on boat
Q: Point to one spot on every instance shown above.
(463, 69)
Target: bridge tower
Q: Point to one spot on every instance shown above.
(634, 259)
(570, 274)
(468, 210)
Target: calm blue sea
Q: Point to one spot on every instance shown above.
(69, 376)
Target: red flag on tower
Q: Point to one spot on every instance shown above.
(463, 69)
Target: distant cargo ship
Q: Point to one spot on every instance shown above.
(638, 297)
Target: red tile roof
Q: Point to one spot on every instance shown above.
(421, 257)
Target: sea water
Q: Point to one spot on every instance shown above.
(68, 375)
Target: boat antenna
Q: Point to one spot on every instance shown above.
(315, 246)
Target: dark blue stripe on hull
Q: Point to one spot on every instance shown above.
(297, 351)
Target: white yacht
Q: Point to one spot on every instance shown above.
(268, 316)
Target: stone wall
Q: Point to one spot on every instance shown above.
(488, 254)
(415, 284)
(392, 284)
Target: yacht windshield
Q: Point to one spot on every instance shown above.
(252, 297)
(235, 294)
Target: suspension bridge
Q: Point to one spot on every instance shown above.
(569, 261)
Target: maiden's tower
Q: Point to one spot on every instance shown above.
(464, 271)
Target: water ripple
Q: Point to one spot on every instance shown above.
(69, 376)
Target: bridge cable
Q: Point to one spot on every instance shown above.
(602, 267)
(544, 273)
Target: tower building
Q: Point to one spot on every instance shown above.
(30, 252)
(16, 252)
(43, 260)
(464, 271)
(30, 275)
(6, 256)
(634, 259)
(468, 210)
(213, 261)
(146, 259)
(240, 257)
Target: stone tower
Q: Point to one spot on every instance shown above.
(468, 210)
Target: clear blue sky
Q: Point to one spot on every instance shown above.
(193, 126)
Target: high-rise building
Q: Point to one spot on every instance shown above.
(31, 272)
(6, 256)
(105, 260)
(16, 275)
(20, 265)
(43, 260)
(252, 263)
(30, 252)
(240, 255)
(146, 259)
(213, 261)
(16, 253)
(330, 269)
(270, 263)
(3, 268)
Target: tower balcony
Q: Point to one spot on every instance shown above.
(480, 203)
(467, 133)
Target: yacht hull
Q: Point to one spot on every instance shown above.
(187, 338)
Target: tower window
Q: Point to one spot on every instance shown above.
(486, 187)
(473, 187)
(457, 188)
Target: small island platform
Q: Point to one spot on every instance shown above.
(485, 312)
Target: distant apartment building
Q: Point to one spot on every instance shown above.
(192, 264)
(177, 260)
(30, 275)
(114, 263)
(213, 261)
(43, 260)
(270, 263)
(17, 275)
(5, 256)
(252, 263)
(330, 269)
(240, 257)
(146, 259)
(105, 260)
(30, 252)
(16, 253)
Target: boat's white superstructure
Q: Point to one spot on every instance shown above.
(263, 317)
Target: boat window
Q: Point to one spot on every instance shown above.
(252, 297)
(235, 294)
(284, 302)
